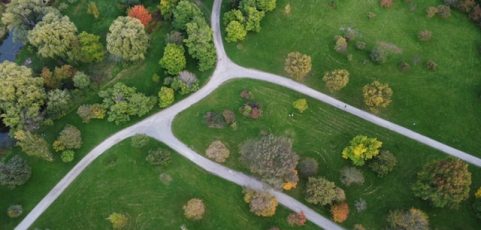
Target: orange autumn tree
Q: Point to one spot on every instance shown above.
(139, 12)
(340, 212)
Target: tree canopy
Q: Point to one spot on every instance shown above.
(173, 60)
(127, 39)
(361, 148)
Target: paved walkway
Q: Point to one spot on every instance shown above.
(159, 126)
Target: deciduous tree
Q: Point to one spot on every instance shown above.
(166, 97)
(81, 80)
(118, 220)
(266, 5)
(88, 112)
(301, 105)
(54, 36)
(127, 39)
(361, 148)
(308, 167)
(173, 60)
(14, 172)
(260, 203)
(185, 12)
(139, 12)
(33, 145)
(297, 65)
(377, 95)
(412, 219)
(445, 183)
(69, 138)
(58, 104)
(235, 32)
(320, 191)
(340, 212)
(217, 151)
(166, 8)
(88, 48)
(199, 43)
(296, 219)
(194, 209)
(383, 163)
(336, 80)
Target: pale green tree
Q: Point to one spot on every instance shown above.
(166, 97)
(81, 80)
(235, 32)
(233, 15)
(21, 95)
(199, 43)
(88, 48)
(33, 145)
(127, 39)
(53, 36)
(58, 103)
(173, 60)
(185, 12)
(266, 5)
(166, 8)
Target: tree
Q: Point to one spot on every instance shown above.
(14, 172)
(199, 43)
(361, 149)
(122, 102)
(383, 163)
(445, 183)
(235, 32)
(320, 191)
(229, 117)
(118, 220)
(271, 158)
(57, 78)
(139, 12)
(340, 212)
(173, 60)
(33, 145)
(67, 156)
(266, 5)
(175, 37)
(53, 36)
(185, 12)
(59, 101)
(88, 48)
(186, 83)
(301, 105)
(166, 97)
(21, 95)
(217, 151)
(233, 15)
(425, 35)
(139, 141)
(166, 7)
(158, 157)
(93, 10)
(194, 209)
(351, 175)
(296, 219)
(412, 219)
(253, 18)
(260, 203)
(341, 44)
(297, 65)
(377, 95)
(81, 80)
(69, 138)
(14, 211)
(21, 16)
(336, 80)
(308, 167)
(127, 39)
(88, 112)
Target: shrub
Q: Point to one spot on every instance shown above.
(14, 211)
(443, 183)
(81, 80)
(360, 45)
(336, 80)
(385, 3)
(251, 110)
(407, 220)
(308, 167)
(297, 65)
(194, 209)
(444, 11)
(174, 37)
(67, 156)
(260, 203)
(341, 44)
(351, 175)
(88, 112)
(166, 97)
(93, 10)
(14, 172)
(217, 151)
(361, 148)
(377, 95)
(382, 50)
(431, 65)
(431, 11)
(296, 219)
(301, 105)
(320, 191)
(340, 212)
(186, 83)
(360, 205)
(425, 35)
(383, 163)
(69, 138)
(235, 32)
(139, 141)
(214, 120)
(229, 116)
(158, 157)
(404, 66)
(271, 158)
(139, 12)
(118, 220)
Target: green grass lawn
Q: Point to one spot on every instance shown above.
(122, 181)
(322, 132)
(444, 105)
(44, 174)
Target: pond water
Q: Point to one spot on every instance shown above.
(9, 49)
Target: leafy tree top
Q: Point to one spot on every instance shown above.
(127, 39)
(361, 148)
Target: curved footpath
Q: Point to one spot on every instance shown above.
(159, 126)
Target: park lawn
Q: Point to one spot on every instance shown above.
(444, 104)
(46, 174)
(322, 132)
(122, 181)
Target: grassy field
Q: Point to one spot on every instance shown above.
(44, 174)
(322, 132)
(444, 104)
(122, 181)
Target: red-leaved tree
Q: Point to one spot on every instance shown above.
(139, 12)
